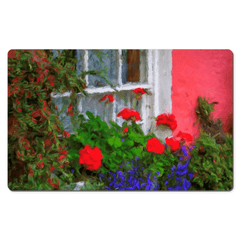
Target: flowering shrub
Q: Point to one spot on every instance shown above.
(212, 164)
(35, 130)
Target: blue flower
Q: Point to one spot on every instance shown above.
(173, 167)
(122, 139)
(72, 171)
(186, 184)
(175, 188)
(154, 177)
(181, 172)
(158, 173)
(181, 158)
(137, 158)
(190, 175)
(166, 182)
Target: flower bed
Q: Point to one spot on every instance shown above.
(44, 156)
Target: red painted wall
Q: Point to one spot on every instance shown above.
(206, 73)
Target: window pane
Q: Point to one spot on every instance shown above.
(134, 66)
(109, 60)
(63, 102)
(93, 105)
(79, 65)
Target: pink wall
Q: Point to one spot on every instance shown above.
(206, 73)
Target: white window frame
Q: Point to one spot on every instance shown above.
(159, 82)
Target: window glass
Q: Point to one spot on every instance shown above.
(97, 60)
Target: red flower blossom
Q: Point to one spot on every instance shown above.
(61, 166)
(66, 134)
(52, 168)
(90, 157)
(167, 119)
(40, 165)
(34, 120)
(174, 144)
(109, 96)
(155, 146)
(19, 109)
(139, 91)
(61, 158)
(56, 108)
(185, 136)
(129, 114)
(70, 110)
(56, 70)
(44, 60)
(125, 129)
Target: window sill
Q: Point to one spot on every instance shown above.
(125, 87)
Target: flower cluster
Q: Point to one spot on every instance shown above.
(185, 136)
(174, 144)
(155, 146)
(90, 157)
(180, 173)
(129, 114)
(133, 179)
(166, 119)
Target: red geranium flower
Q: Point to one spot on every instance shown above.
(174, 144)
(129, 114)
(90, 157)
(154, 145)
(125, 129)
(166, 119)
(139, 91)
(185, 136)
(109, 96)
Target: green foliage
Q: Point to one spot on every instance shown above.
(36, 135)
(212, 164)
(117, 146)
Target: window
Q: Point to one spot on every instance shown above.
(127, 70)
